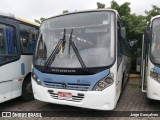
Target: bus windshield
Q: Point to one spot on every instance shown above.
(155, 47)
(81, 40)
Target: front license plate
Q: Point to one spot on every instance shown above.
(64, 96)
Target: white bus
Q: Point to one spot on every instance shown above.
(17, 43)
(81, 59)
(151, 60)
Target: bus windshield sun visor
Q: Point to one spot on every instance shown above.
(56, 50)
(71, 43)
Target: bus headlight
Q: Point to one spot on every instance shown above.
(154, 75)
(104, 83)
(35, 78)
(109, 80)
(101, 85)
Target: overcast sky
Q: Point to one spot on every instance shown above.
(34, 9)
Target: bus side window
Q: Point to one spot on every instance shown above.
(8, 48)
(1, 42)
(24, 38)
(28, 36)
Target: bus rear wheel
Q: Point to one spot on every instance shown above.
(27, 93)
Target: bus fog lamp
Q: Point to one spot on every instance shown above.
(38, 80)
(34, 76)
(111, 75)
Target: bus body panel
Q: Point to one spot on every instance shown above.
(12, 81)
(122, 75)
(153, 87)
(5, 91)
(102, 100)
(83, 82)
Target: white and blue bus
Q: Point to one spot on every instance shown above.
(150, 69)
(17, 43)
(81, 59)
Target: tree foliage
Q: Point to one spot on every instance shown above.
(123, 10)
(65, 11)
(100, 5)
(135, 26)
(39, 21)
(153, 12)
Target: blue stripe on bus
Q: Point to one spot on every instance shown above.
(74, 82)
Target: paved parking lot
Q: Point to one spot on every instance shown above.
(132, 99)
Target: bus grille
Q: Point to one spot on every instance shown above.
(70, 86)
(74, 98)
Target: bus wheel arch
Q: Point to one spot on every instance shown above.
(27, 92)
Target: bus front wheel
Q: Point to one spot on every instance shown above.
(27, 93)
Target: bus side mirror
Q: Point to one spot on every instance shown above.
(123, 33)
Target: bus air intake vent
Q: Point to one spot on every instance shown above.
(69, 86)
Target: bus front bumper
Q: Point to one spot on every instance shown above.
(153, 89)
(100, 100)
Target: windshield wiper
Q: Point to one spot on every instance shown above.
(71, 43)
(56, 50)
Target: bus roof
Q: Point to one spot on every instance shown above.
(7, 14)
(157, 16)
(19, 19)
(92, 10)
(26, 21)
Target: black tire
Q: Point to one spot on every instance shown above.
(150, 101)
(27, 92)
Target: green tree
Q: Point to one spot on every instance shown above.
(100, 5)
(65, 11)
(123, 10)
(39, 21)
(135, 26)
(153, 12)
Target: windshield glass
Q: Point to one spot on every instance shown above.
(92, 36)
(155, 47)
